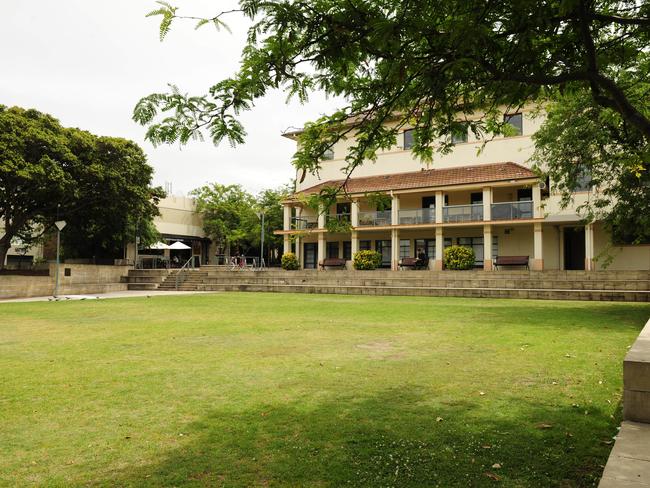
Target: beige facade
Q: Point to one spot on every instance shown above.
(20, 255)
(488, 200)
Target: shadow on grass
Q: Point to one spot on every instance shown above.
(396, 438)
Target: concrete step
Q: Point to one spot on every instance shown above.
(142, 286)
(543, 294)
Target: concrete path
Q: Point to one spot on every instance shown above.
(115, 294)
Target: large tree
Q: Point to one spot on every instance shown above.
(100, 186)
(434, 65)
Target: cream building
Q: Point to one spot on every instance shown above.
(489, 200)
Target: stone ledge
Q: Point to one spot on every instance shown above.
(629, 461)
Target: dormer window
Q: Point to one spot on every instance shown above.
(459, 136)
(516, 122)
(408, 139)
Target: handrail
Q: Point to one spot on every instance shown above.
(184, 269)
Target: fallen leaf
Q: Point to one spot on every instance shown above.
(607, 442)
(496, 466)
(481, 393)
(544, 426)
(487, 446)
(439, 419)
(493, 476)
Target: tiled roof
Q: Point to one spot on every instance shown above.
(464, 175)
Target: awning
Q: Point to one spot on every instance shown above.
(158, 245)
(179, 245)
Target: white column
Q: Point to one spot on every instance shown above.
(286, 245)
(538, 260)
(395, 210)
(440, 202)
(354, 213)
(394, 248)
(537, 201)
(321, 217)
(487, 203)
(287, 217)
(298, 243)
(487, 247)
(561, 247)
(321, 247)
(589, 248)
(440, 242)
(354, 242)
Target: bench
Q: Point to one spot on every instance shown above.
(414, 263)
(332, 263)
(511, 261)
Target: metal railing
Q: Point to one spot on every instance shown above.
(462, 213)
(417, 216)
(182, 273)
(303, 223)
(341, 217)
(373, 219)
(238, 263)
(512, 210)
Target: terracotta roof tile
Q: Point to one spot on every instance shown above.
(464, 175)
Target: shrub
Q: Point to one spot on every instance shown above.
(290, 261)
(459, 257)
(366, 260)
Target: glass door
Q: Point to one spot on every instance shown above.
(383, 248)
(310, 250)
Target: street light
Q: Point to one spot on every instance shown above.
(60, 224)
(260, 215)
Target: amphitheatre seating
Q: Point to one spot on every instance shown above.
(511, 261)
(332, 263)
(414, 263)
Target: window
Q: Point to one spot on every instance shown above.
(408, 139)
(328, 154)
(583, 180)
(343, 208)
(364, 245)
(459, 136)
(332, 249)
(404, 248)
(347, 250)
(476, 198)
(426, 246)
(524, 194)
(516, 121)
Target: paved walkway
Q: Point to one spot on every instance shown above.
(115, 294)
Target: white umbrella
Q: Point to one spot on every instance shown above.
(158, 245)
(179, 245)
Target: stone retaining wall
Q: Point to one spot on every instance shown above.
(82, 279)
(629, 461)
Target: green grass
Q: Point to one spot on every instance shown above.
(310, 390)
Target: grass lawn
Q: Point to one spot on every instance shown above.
(310, 390)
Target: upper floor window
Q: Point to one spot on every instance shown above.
(583, 180)
(459, 136)
(408, 139)
(328, 154)
(516, 122)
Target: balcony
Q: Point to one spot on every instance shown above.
(462, 213)
(417, 216)
(340, 217)
(512, 210)
(373, 219)
(304, 223)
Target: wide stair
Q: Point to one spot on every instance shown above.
(188, 280)
(633, 286)
(145, 279)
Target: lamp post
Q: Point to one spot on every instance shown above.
(60, 224)
(260, 215)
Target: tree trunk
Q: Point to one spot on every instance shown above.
(5, 244)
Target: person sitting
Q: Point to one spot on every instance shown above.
(422, 258)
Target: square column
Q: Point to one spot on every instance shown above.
(538, 260)
(298, 243)
(487, 248)
(440, 202)
(354, 213)
(321, 217)
(321, 247)
(394, 249)
(287, 217)
(286, 247)
(590, 265)
(440, 242)
(354, 243)
(487, 203)
(537, 201)
(394, 213)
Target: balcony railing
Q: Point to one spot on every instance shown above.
(372, 219)
(417, 216)
(512, 210)
(303, 223)
(462, 213)
(340, 217)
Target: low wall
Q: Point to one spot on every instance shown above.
(74, 279)
(629, 462)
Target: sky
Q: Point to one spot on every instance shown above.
(88, 62)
